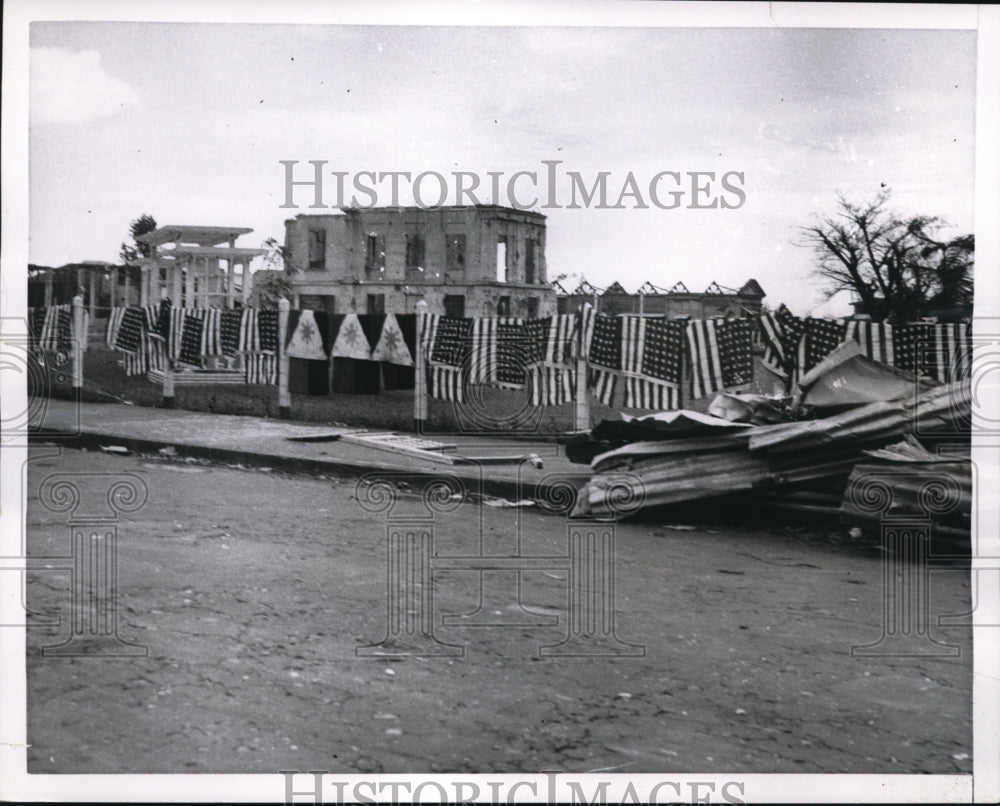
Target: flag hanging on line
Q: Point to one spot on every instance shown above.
(391, 345)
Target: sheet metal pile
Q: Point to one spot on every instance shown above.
(908, 454)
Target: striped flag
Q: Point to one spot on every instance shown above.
(820, 338)
(721, 354)
(551, 385)
(211, 332)
(446, 383)
(774, 350)
(875, 340)
(483, 350)
(602, 384)
(643, 393)
(260, 368)
(130, 330)
(952, 353)
(249, 339)
(114, 323)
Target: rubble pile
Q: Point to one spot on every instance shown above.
(904, 453)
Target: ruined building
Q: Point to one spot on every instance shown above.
(472, 261)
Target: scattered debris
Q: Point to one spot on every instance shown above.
(684, 456)
(502, 503)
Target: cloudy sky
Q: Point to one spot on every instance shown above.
(188, 122)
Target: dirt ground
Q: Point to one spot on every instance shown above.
(252, 592)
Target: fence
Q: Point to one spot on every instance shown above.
(638, 362)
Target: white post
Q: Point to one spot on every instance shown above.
(581, 412)
(420, 373)
(284, 396)
(76, 345)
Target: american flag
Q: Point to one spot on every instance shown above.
(190, 341)
(446, 383)
(875, 340)
(821, 337)
(267, 330)
(497, 353)
(164, 318)
(642, 393)
(114, 323)
(605, 357)
(645, 345)
(721, 354)
(211, 340)
(450, 344)
(64, 329)
(552, 385)
(663, 357)
(774, 346)
(482, 354)
(130, 330)
(942, 351)
(552, 374)
(229, 331)
(260, 368)
(448, 339)
(536, 337)
(602, 384)
(249, 338)
(513, 352)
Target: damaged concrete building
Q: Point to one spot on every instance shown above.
(480, 260)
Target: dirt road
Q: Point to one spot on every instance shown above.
(253, 592)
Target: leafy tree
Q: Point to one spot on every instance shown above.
(130, 253)
(273, 281)
(901, 269)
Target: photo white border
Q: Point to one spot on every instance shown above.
(982, 786)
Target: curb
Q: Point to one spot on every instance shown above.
(498, 487)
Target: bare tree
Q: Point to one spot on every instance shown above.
(900, 268)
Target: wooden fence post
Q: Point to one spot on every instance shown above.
(284, 397)
(76, 346)
(420, 373)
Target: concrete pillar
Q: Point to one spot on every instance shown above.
(114, 288)
(581, 410)
(76, 348)
(245, 290)
(93, 294)
(189, 283)
(284, 396)
(230, 279)
(420, 373)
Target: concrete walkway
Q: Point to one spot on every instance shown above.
(265, 443)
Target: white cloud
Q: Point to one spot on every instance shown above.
(73, 87)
